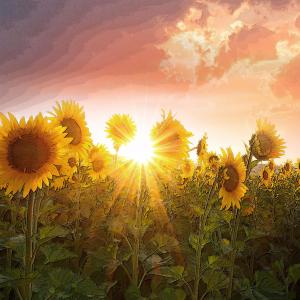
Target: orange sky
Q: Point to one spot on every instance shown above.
(218, 65)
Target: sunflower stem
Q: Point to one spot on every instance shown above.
(29, 245)
(201, 224)
(235, 229)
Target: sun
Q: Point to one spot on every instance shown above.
(140, 149)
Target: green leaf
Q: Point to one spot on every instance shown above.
(215, 280)
(50, 232)
(294, 273)
(56, 252)
(174, 273)
(133, 293)
(172, 294)
(194, 241)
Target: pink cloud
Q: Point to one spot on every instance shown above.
(287, 81)
(297, 22)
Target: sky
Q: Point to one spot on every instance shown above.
(217, 65)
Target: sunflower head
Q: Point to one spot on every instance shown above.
(170, 141)
(267, 143)
(213, 161)
(287, 168)
(271, 165)
(99, 163)
(121, 129)
(71, 116)
(266, 176)
(297, 166)
(187, 168)
(202, 147)
(233, 188)
(29, 152)
(248, 206)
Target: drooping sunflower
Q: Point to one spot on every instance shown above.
(99, 162)
(29, 152)
(170, 141)
(233, 188)
(121, 129)
(187, 169)
(202, 147)
(268, 144)
(266, 176)
(71, 116)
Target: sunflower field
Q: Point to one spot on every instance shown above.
(78, 221)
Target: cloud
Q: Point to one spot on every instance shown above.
(57, 45)
(297, 22)
(287, 81)
(254, 43)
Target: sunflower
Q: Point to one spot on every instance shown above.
(232, 189)
(202, 147)
(121, 129)
(99, 162)
(71, 116)
(271, 166)
(29, 152)
(170, 141)
(248, 206)
(213, 161)
(69, 166)
(187, 168)
(58, 183)
(287, 168)
(268, 143)
(266, 176)
(297, 166)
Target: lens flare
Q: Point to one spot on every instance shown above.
(140, 149)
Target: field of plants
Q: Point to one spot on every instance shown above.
(78, 221)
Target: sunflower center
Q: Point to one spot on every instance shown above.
(73, 130)
(232, 181)
(265, 175)
(287, 167)
(265, 144)
(97, 165)
(72, 162)
(28, 153)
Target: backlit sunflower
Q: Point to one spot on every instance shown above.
(29, 152)
(99, 162)
(187, 168)
(297, 166)
(268, 143)
(266, 176)
(233, 188)
(71, 116)
(121, 129)
(170, 141)
(202, 147)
